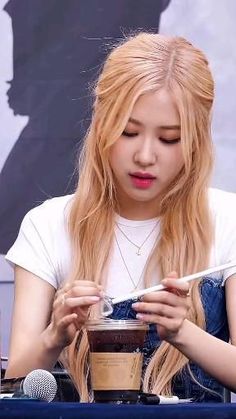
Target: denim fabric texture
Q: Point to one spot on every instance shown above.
(213, 300)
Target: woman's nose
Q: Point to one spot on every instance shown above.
(146, 153)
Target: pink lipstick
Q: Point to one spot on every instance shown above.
(142, 180)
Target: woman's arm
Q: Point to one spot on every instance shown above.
(215, 356)
(31, 314)
(45, 321)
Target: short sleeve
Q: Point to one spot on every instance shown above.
(42, 243)
(230, 252)
(225, 230)
(31, 251)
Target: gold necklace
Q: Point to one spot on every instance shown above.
(126, 267)
(138, 252)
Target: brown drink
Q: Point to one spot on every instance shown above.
(116, 359)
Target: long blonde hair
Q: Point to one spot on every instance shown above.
(142, 63)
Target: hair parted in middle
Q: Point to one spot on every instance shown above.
(142, 63)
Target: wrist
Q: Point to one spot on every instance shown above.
(178, 339)
(50, 340)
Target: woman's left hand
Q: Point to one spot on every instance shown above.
(167, 309)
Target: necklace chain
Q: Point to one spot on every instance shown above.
(134, 244)
(126, 267)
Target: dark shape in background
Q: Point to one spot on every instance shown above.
(58, 50)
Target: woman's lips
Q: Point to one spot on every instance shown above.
(142, 181)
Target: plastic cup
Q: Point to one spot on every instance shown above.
(116, 359)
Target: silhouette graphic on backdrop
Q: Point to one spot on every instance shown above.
(58, 49)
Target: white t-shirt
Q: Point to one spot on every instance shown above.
(43, 246)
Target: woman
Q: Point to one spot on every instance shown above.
(143, 211)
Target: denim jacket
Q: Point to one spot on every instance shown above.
(213, 300)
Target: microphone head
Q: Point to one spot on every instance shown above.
(40, 384)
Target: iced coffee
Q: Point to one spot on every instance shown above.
(116, 359)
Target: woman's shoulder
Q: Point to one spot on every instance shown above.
(48, 219)
(53, 209)
(223, 207)
(43, 246)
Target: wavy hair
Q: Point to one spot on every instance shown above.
(142, 63)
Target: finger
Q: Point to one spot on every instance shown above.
(65, 303)
(165, 297)
(161, 309)
(169, 324)
(59, 302)
(180, 293)
(62, 295)
(85, 283)
(66, 321)
(77, 283)
(80, 291)
(81, 301)
(173, 283)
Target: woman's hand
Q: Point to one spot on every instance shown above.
(167, 309)
(70, 311)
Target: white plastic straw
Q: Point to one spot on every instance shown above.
(159, 287)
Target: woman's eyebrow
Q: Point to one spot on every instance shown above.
(134, 121)
(171, 127)
(166, 127)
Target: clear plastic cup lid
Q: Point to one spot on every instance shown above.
(111, 324)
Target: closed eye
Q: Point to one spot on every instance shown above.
(129, 134)
(169, 141)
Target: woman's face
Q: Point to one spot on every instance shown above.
(148, 155)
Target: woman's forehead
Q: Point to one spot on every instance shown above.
(156, 108)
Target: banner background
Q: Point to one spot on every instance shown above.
(50, 54)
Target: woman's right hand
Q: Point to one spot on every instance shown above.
(70, 311)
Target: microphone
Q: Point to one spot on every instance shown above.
(40, 384)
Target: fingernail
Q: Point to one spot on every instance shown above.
(139, 316)
(164, 281)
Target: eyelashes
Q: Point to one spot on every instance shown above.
(129, 134)
(172, 141)
(163, 140)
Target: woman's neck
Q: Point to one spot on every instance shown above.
(138, 212)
